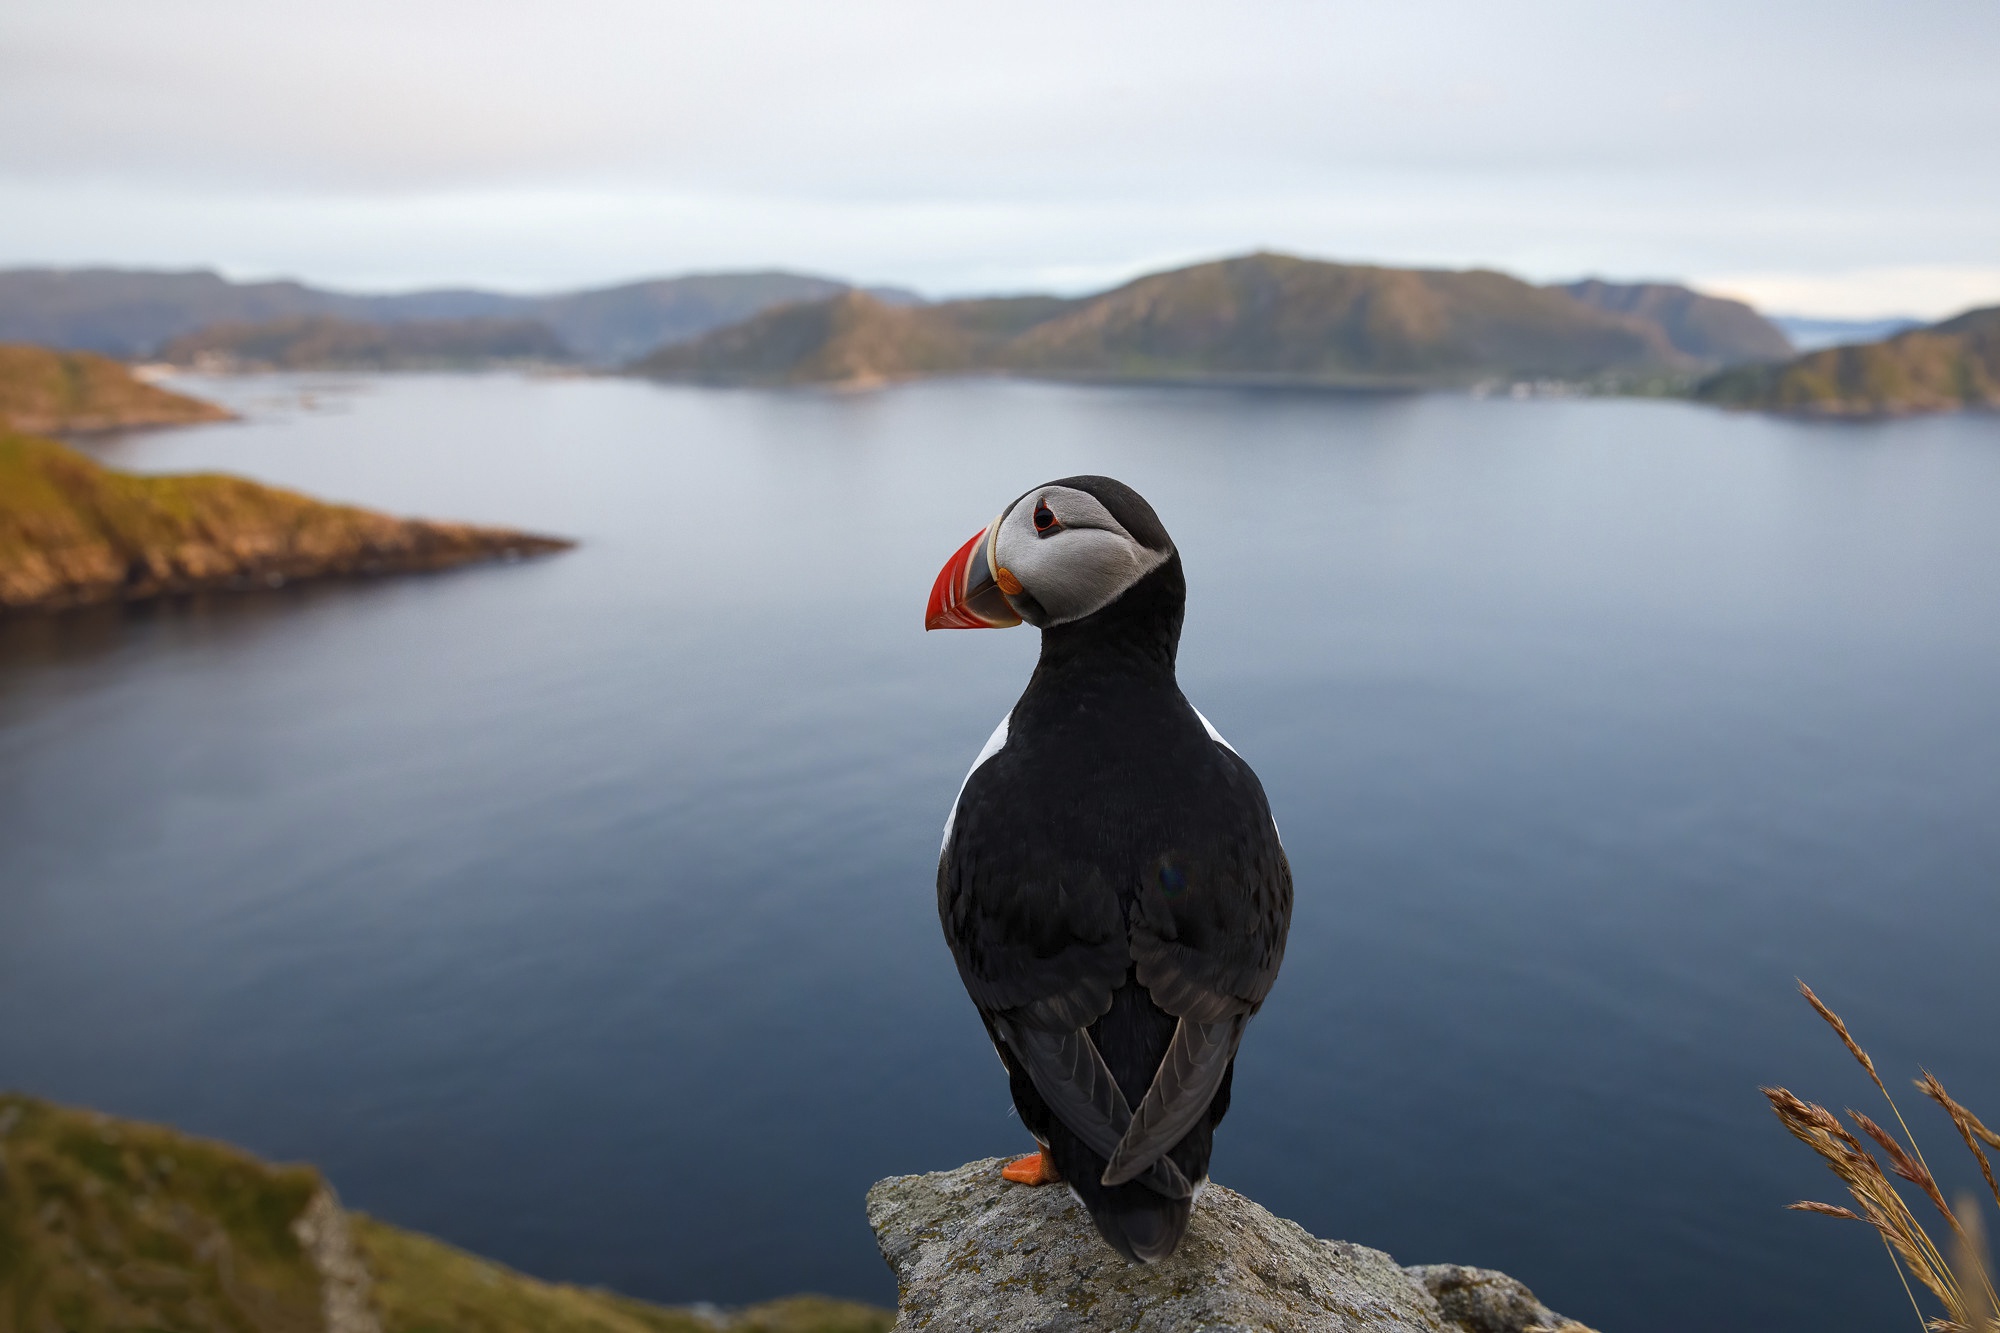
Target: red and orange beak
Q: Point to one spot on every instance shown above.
(969, 592)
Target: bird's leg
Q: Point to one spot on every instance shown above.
(1037, 1168)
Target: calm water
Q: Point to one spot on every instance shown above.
(581, 912)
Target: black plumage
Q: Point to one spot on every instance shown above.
(1116, 897)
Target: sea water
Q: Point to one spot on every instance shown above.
(581, 911)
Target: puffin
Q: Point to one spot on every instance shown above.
(1111, 883)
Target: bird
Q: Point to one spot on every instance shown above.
(1111, 884)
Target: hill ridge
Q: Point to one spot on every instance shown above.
(132, 312)
(1265, 317)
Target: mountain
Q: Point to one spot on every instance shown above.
(109, 1224)
(1943, 368)
(322, 342)
(73, 532)
(1809, 334)
(1264, 318)
(1711, 329)
(1281, 318)
(131, 313)
(59, 392)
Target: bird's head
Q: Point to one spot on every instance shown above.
(1059, 553)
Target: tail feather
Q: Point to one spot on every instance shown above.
(1141, 1223)
(1145, 1228)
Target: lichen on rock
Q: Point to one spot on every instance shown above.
(971, 1251)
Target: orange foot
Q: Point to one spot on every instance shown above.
(1037, 1168)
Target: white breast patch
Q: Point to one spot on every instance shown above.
(994, 745)
(1209, 727)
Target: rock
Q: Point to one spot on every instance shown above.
(971, 1251)
(1480, 1300)
(345, 1283)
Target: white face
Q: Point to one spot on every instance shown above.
(1069, 554)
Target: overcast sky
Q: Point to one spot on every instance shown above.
(1823, 157)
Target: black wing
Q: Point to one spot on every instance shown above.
(1034, 921)
(1055, 885)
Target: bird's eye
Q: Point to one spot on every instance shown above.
(1045, 519)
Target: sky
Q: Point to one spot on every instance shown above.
(1838, 158)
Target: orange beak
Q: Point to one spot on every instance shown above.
(967, 594)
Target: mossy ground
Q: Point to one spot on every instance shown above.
(114, 1226)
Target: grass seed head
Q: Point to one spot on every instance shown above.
(1846, 1038)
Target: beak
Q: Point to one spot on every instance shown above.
(967, 594)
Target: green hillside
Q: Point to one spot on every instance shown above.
(1261, 318)
(321, 342)
(115, 1226)
(1943, 368)
(849, 339)
(1269, 316)
(75, 532)
(47, 391)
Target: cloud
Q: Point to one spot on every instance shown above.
(965, 145)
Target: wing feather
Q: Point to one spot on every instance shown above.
(1073, 1079)
(1189, 1075)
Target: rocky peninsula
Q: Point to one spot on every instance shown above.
(73, 532)
(971, 1251)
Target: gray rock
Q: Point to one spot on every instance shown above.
(1480, 1300)
(971, 1251)
(345, 1283)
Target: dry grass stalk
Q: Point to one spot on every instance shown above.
(1905, 1166)
(1830, 1209)
(1963, 1284)
(1846, 1039)
(1969, 1262)
(1968, 1125)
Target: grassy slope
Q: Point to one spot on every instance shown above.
(1259, 317)
(110, 1224)
(850, 338)
(1275, 316)
(426, 1286)
(106, 1224)
(42, 390)
(1942, 368)
(321, 342)
(72, 531)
